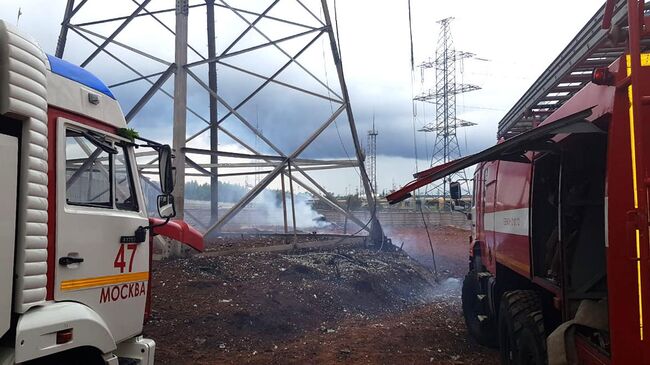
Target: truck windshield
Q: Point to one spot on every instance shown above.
(93, 167)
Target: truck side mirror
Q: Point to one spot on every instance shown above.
(166, 207)
(165, 170)
(454, 190)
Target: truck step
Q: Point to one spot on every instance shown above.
(128, 361)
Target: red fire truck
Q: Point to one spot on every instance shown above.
(559, 269)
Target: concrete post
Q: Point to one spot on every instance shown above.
(180, 110)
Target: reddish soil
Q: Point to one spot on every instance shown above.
(450, 246)
(350, 305)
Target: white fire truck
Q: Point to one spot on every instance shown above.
(75, 238)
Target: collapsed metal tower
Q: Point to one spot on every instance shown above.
(313, 22)
(446, 147)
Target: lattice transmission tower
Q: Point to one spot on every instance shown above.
(446, 147)
(157, 50)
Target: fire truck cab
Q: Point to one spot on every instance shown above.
(75, 245)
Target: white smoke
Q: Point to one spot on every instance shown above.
(306, 216)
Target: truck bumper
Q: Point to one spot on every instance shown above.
(137, 348)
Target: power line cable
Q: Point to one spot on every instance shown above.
(411, 37)
(374, 207)
(336, 125)
(433, 253)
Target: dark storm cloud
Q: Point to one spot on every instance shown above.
(376, 56)
(285, 117)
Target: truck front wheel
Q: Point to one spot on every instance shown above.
(522, 339)
(477, 319)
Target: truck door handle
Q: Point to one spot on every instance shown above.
(139, 236)
(67, 260)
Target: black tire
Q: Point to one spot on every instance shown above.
(484, 332)
(522, 339)
(532, 342)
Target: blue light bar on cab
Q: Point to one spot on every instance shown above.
(78, 74)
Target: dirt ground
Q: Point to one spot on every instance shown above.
(352, 304)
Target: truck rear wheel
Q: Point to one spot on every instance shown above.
(479, 324)
(522, 339)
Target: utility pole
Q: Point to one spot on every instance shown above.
(371, 160)
(446, 147)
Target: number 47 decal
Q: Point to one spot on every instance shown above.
(120, 261)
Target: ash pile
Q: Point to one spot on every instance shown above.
(248, 294)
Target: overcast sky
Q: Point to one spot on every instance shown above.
(518, 38)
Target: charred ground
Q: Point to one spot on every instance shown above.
(349, 304)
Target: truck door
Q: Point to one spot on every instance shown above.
(97, 203)
(545, 227)
(477, 200)
(489, 209)
(8, 188)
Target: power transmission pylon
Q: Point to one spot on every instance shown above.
(446, 147)
(371, 159)
(294, 28)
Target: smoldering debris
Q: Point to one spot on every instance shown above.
(306, 306)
